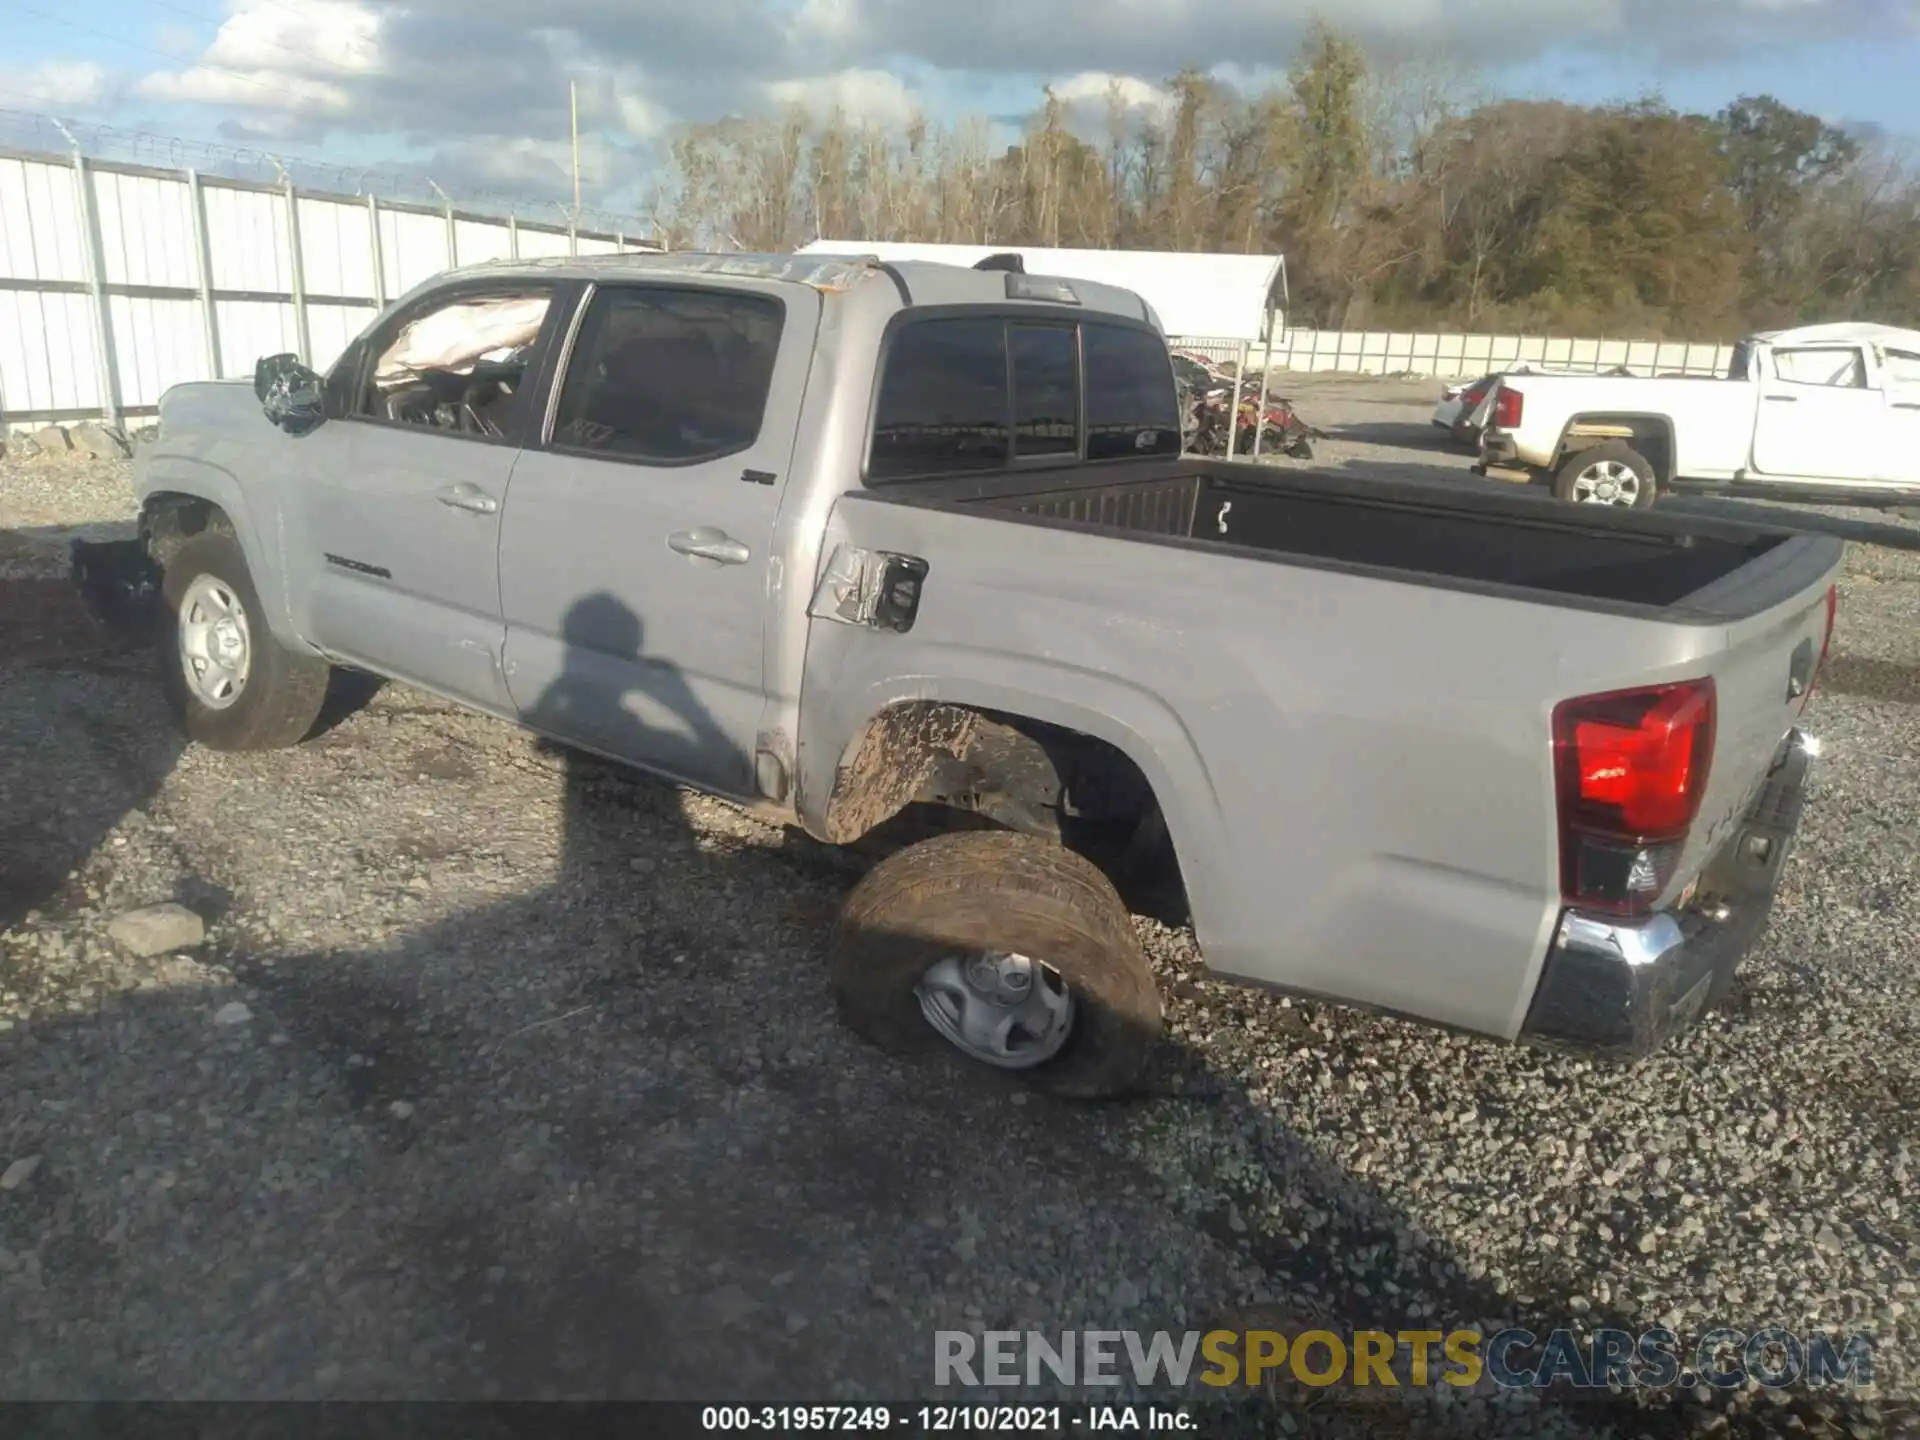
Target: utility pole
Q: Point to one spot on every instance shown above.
(573, 98)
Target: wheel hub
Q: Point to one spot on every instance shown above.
(1002, 1008)
(216, 645)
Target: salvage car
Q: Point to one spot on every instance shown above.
(849, 543)
(1821, 414)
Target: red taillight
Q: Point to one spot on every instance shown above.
(1826, 644)
(1471, 398)
(1508, 408)
(1631, 769)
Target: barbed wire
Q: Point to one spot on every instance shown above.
(44, 133)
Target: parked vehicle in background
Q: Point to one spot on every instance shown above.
(836, 539)
(1824, 413)
(1457, 413)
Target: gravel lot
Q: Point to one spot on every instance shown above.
(503, 1073)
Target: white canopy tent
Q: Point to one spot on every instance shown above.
(1196, 296)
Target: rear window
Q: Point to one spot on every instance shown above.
(979, 393)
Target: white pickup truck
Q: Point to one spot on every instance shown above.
(1826, 413)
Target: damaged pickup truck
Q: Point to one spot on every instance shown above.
(1826, 414)
(839, 540)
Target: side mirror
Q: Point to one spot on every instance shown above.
(292, 396)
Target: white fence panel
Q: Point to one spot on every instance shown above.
(155, 319)
(481, 240)
(48, 362)
(250, 329)
(247, 234)
(336, 248)
(157, 343)
(146, 230)
(329, 328)
(543, 244)
(412, 248)
(40, 222)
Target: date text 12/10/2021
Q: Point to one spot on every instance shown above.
(946, 1419)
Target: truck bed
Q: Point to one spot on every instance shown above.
(1468, 537)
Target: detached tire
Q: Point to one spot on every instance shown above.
(1610, 473)
(997, 892)
(232, 684)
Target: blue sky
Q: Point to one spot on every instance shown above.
(462, 89)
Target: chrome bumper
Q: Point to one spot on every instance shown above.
(1619, 989)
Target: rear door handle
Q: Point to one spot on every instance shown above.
(468, 497)
(707, 543)
(1784, 399)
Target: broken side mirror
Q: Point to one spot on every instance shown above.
(291, 395)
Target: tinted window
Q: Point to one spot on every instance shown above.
(669, 376)
(457, 366)
(943, 400)
(1131, 409)
(1046, 389)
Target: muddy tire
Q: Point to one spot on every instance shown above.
(1610, 473)
(230, 682)
(998, 892)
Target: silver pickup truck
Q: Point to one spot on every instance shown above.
(839, 539)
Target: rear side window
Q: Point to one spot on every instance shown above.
(669, 377)
(1131, 409)
(943, 401)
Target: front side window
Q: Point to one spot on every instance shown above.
(459, 366)
(669, 377)
(943, 401)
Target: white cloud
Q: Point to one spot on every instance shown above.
(1099, 88)
(871, 97)
(62, 84)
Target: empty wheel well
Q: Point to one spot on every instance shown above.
(1651, 435)
(1009, 771)
(167, 519)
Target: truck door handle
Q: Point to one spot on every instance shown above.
(468, 497)
(1784, 399)
(707, 543)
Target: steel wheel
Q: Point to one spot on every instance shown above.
(216, 646)
(1606, 482)
(998, 1007)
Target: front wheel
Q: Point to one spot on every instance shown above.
(1611, 473)
(232, 685)
(1011, 950)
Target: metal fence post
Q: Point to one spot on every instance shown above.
(296, 264)
(108, 366)
(1233, 403)
(379, 252)
(203, 263)
(1260, 415)
(573, 238)
(513, 236)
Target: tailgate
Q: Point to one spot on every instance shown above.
(1762, 682)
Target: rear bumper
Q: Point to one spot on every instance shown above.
(1619, 989)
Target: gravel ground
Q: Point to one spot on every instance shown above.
(503, 1073)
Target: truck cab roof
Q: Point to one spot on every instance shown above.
(911, 283)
